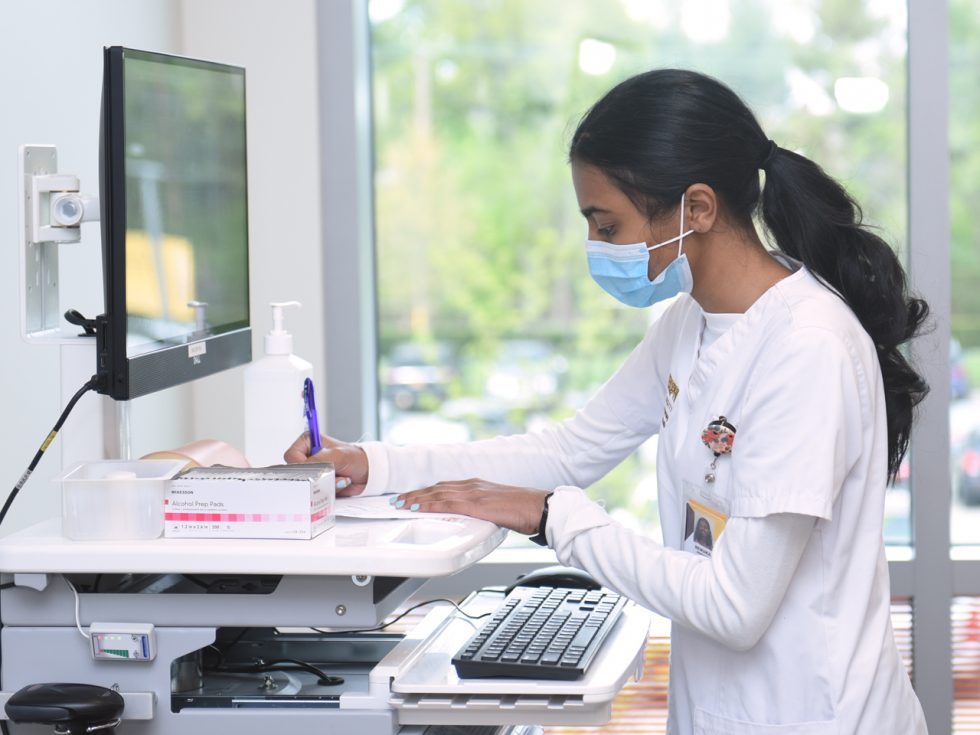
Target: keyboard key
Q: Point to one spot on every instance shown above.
(584, 637)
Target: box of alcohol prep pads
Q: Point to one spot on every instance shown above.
(279, 502)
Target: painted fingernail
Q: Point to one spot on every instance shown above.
(400, 503)
(415, 506)
(342, 483)
(393, 499)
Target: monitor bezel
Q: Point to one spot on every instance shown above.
(123, 377)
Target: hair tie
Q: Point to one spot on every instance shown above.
(770, 154)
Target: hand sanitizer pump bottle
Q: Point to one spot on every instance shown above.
(274, 395)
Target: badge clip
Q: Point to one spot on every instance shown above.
(719, 437)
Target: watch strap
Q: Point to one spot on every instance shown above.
(540, 538)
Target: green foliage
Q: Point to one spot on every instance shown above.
(964, 151)
(971, 364)
(479, 237)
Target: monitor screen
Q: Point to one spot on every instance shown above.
(175, 220)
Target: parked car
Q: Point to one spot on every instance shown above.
(416, 375)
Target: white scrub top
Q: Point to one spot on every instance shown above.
(798, 378)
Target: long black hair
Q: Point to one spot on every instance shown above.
(657, 133)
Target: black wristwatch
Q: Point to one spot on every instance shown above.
(539, 538)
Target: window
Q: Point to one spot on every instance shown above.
(964, 351)
(964, 355)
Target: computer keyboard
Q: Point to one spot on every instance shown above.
(541, 633)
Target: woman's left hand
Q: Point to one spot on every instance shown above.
(516, 508)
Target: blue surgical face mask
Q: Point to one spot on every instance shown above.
(622, 270)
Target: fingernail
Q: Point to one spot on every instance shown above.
(415, 506)
(400, 503)
(392, 499)
(342, 483)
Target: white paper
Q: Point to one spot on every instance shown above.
(379, 506)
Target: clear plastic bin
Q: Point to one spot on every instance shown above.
(116, 498)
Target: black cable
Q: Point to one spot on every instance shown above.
(92, 382)
(406, 612)
(222, 651)
(323, 679)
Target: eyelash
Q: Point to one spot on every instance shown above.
(605, 231)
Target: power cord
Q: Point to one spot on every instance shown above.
(90, 385)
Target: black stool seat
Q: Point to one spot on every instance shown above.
(72, 707)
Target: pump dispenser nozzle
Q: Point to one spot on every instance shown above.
(279, 341)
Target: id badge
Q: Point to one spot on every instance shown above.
(702, 527)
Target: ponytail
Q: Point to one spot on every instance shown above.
(815, 221)
(657, 133)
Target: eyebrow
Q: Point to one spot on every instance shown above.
(589, 211)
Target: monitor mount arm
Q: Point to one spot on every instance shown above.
(52, 210)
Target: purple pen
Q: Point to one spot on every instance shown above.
(309, 408)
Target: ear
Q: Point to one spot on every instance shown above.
(701, 208)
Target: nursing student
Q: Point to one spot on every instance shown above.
(783, 404)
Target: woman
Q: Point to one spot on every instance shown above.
(781, 398)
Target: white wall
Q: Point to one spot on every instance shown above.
(276, 43)
(50, 82)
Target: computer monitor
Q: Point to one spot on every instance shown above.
(174, 222)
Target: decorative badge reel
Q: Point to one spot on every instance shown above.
(719, 437)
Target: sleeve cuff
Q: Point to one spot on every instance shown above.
(748, 506)
(571, 512)
(378, 468)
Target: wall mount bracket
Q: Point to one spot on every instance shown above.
(51, 212)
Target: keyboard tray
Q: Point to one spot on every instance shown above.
(425, 688)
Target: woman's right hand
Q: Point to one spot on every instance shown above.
(349, 461)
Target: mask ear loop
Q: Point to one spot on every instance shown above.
(680, 237)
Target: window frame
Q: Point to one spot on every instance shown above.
(930, 581)
(927, 573)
